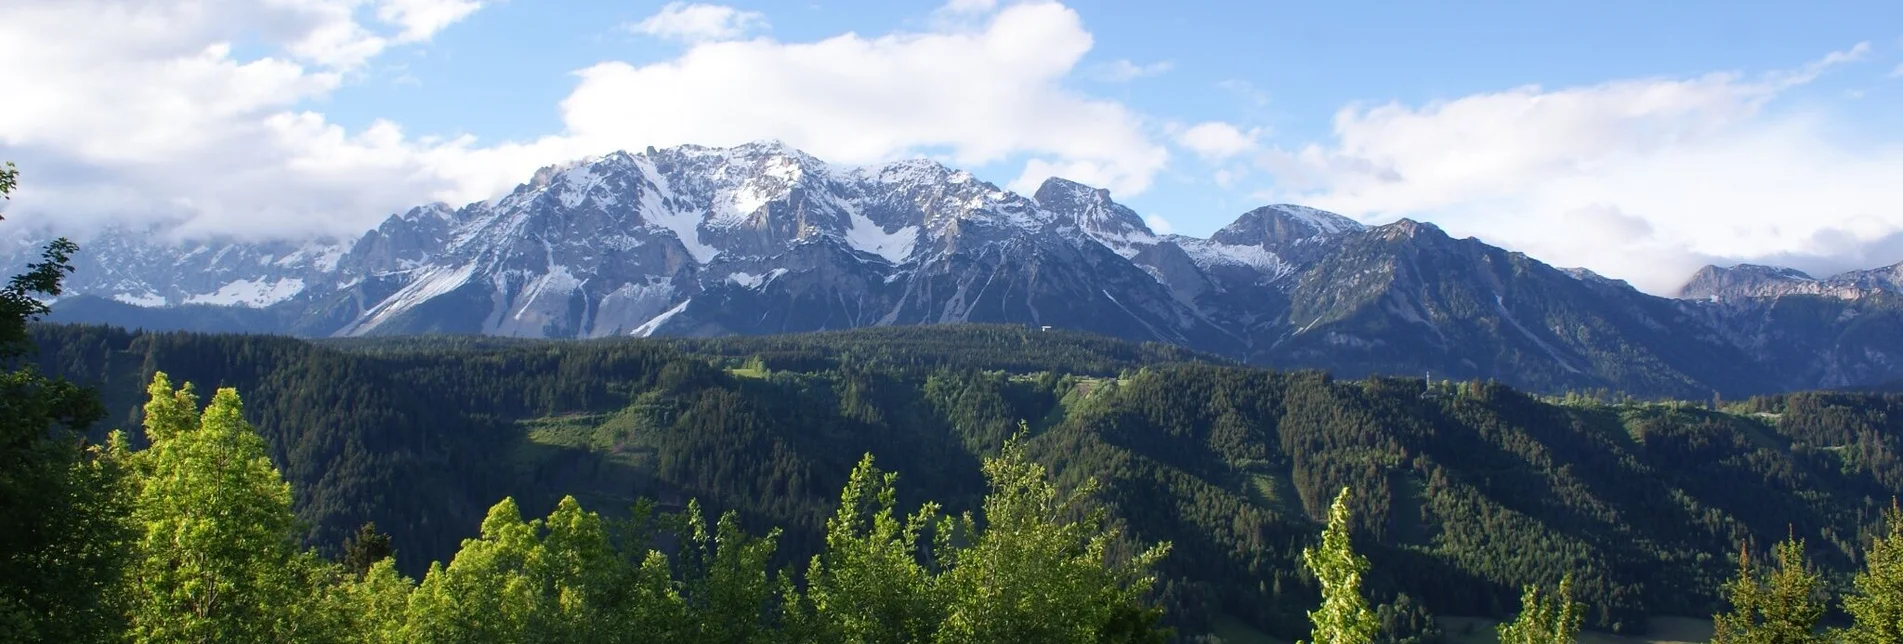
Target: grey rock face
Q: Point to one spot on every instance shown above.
(762, 238)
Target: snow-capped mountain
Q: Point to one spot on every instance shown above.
(763, 238)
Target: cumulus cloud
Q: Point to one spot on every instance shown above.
(1159, 225)
(144, 112)
(986, 94)
(701, 22)
(421, 19)
(1122, 70)
(1216, 140)
(1636, 179)
(141, 111)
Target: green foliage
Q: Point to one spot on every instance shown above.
(1030, 574)
(61, 503)
(1778, 607)
(1461, 499)
(365, 548)
(1546, 619)
(376, 605)
(1407, 621)
(216, 557)
(1875, 604)
(1344, 616)
(869, 585)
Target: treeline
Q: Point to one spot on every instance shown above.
(193, 539)
(1466, 491)
(1783, 603)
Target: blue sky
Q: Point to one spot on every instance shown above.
(1640, 139)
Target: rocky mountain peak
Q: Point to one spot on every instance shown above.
(1745, 280)
(1090, 209)
(1282, 225)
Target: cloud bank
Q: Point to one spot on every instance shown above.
(1644, 180)
(146, 114)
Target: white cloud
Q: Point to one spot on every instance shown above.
(701, 22)
(1638, 179)
(141, 111)
(986, 94)
(1122, 70)
(421, 19)
(1216, 140)
(1159, 225)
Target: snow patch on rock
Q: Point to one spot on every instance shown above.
(250, 294)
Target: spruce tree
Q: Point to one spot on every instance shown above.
(1875, 604)
(1545, 619)
(365, 548)
(1344, 616)
(1778, 607)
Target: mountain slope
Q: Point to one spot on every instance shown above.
(762, 238)
(1463, 492)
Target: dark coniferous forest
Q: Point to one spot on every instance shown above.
(1464, 491)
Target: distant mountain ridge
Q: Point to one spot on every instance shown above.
(1745, 281)
(763, 238)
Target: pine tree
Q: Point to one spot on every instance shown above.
(1875, 604)
(1344, 616)
(1781, 607)
(365, 548)
(1546, 619)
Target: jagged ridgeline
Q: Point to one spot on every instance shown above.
(763, 238)
(1464, 491)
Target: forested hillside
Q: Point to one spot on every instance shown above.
(1466, 490)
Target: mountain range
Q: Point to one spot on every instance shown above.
(762, 238)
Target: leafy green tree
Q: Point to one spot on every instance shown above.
(485, 594)
(1344, 616)
(376, 605)
(581, 577)
(1875, 604)
(725, 577)
(1778, 607)
(216, 557)
(868, 586)
(1546, 619)
(1030, 574)
(61, 512)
